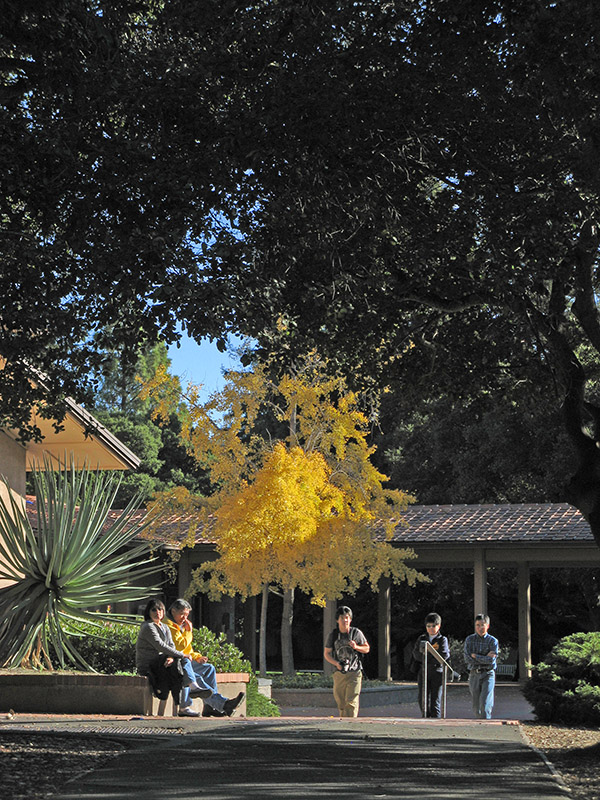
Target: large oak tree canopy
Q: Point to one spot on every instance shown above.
(431, 196)
(412, 186)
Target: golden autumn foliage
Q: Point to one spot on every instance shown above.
(219, 433)
(306, 508)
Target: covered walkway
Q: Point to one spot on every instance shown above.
(523, 536)
(519, 536)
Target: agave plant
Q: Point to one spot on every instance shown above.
(76, 560)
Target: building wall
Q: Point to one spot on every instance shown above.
(12, 464)
(12, 470)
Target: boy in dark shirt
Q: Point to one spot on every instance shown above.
(435, 671)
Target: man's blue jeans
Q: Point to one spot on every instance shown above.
(205, 675)
(481, 686)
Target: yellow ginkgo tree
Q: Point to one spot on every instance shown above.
(298, 502)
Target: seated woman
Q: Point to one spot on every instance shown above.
(157, 658)
(215, 705)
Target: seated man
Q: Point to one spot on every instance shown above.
(215, 705)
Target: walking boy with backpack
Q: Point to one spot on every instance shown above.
(343, 649)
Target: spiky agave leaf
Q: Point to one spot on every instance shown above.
(74, 562)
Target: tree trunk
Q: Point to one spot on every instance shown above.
(262, 638)
(287, 617)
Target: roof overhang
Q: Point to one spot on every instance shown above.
(81, 438)
(436, 555)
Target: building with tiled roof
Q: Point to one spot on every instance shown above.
(524, 524)
(473, 536)
(524, 535)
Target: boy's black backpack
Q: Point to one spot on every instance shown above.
(352, 655)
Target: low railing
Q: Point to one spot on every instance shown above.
(427, 649)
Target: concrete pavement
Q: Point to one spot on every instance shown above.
(318, 756)
(300, 759)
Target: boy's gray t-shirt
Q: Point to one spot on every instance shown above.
(341, 650)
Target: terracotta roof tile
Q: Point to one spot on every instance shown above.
(173, 529)
(515, 522)
(518, 522)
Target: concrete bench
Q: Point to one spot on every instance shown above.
(32, 692)
(506, 671)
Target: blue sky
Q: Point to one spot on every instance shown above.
(200, 363)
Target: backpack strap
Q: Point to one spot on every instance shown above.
(334, 637)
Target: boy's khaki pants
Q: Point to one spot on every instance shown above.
(346, 691)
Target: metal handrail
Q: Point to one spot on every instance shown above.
(426, 648)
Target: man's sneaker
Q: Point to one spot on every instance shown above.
(209, 711)
(196, 691)
(188, 712)
(231, 705)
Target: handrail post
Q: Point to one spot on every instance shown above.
(426, 647)
(424, 683)
(444, 684)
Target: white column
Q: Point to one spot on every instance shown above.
(524, 621)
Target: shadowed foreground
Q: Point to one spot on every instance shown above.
(320, 759)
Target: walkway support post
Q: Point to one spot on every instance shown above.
(524, 613)
(384, 621)
(250, 629)
(480, 583)
(329, 623)
(184, 569)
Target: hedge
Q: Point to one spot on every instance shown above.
(565, 687)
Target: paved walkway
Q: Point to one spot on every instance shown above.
(300, 759)
(509, 705)
(319, 756)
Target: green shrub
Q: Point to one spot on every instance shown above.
(108, 647)
(566, 686)
(72, 563)
(257, 705)
(457, 656)
(311, 680)
(301, 680)
(225, 656)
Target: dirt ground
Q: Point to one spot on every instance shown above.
(36, 765)
(574, 753)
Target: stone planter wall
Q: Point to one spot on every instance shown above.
(265, 686)
(323, 698)
(65, 693)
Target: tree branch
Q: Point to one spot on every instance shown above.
(584, 307)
